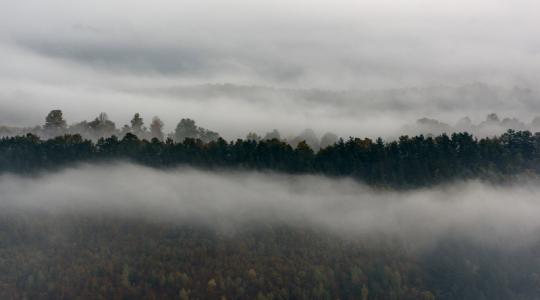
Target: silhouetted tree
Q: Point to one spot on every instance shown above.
(54, 123)
(274, 134)
(252, 136)
(309, 136)
(101, 126)
(156, 128)
(328, 139)
(207, 135)
(137, 125)
(186, 128)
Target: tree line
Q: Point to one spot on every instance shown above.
(102, 127)
(492, 125)
(408, 161)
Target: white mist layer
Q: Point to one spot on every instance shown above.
(470, 210)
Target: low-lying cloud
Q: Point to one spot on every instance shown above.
(492, 215)
(132, 56)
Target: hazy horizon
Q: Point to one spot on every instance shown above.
(168, 210)
(351, 67)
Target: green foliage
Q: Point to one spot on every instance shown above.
(109, 257)
(84, 256)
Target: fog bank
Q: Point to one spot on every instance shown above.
(487, 214)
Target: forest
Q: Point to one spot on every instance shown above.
(65, 237)
(113, 233)
(270, 150)
(106, 257)
(410, 161)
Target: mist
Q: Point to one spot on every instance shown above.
(351, 67)
(78, 221)
(498, 216)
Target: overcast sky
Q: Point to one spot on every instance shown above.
(126, 56)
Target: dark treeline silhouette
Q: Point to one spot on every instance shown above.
(408, 161)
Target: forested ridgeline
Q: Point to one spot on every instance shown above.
(408, 161)
(90, 257)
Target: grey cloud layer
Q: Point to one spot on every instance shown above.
(88, 57)
(312, 44)
(471, 210)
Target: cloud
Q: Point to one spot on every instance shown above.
(305, 44)
(107, 56)
(492, 215)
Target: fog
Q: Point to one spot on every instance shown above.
(352, 67)
(479, 212)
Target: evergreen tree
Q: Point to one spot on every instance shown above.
(156, 128)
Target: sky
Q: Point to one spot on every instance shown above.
(360, 67)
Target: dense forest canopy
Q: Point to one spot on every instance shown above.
(112, 258)
(407, 162)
